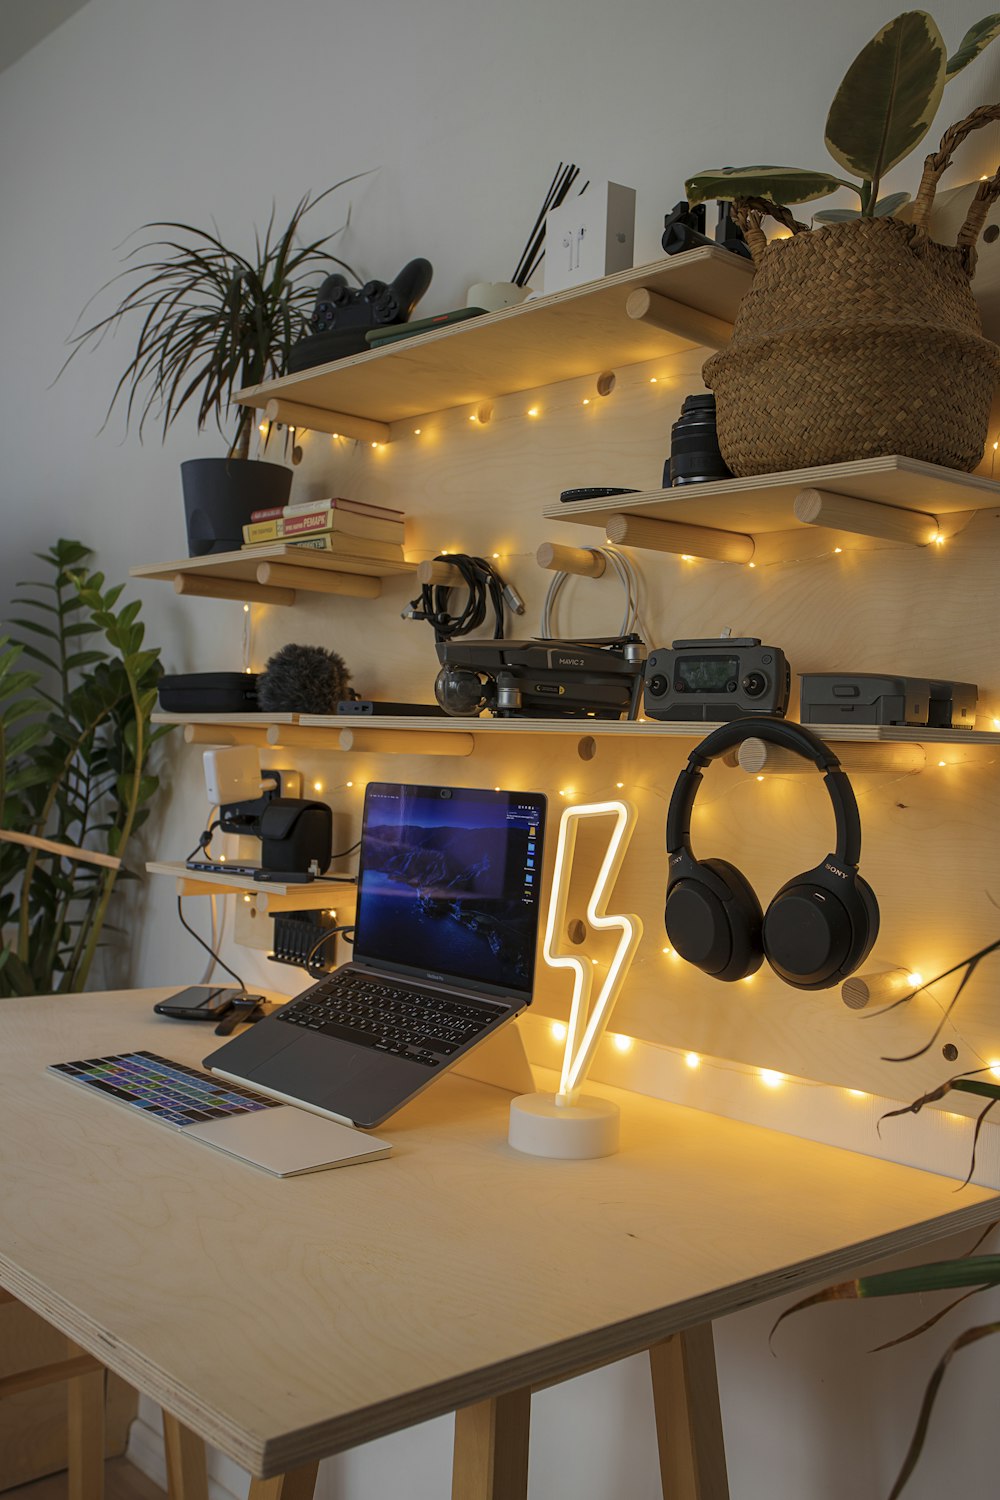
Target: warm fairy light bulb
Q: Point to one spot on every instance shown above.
(317, 786)
(855, 1093)
(558, 1029)
(769, 1077)
(417, 431)
(495, 556)
(334, 436)
(838, 549)
(246, 609)
(496, 788)
(686, 557)
(938, 539)
(760, 778)
(348, 783)
(532, 411)
(942, 762)
(751, 565)
(747, 979)
(995, 1068)
(586, 402)
(247, 900)
(692, 1059)
(222, 859)
(248, 671)
(621, 1043)
(263, 428)
(374, 445)
(619, 784)
(652, 379)
(566, 791)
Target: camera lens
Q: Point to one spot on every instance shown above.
(694, 444)
(446, 792)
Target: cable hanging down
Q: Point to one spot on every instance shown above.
(487, 589)
(628, 577)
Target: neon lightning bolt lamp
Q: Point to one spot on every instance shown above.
(567, 1124)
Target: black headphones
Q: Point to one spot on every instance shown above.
(818, 928)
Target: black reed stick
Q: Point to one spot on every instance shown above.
(530, 256)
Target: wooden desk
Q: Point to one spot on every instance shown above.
(287, 1320)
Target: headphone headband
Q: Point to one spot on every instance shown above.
(789, 736)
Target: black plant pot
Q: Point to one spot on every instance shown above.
(220, 493)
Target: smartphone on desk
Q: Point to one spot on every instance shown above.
(199, 1002)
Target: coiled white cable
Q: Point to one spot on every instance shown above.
(629, 578)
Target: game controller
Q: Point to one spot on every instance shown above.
(343, 313)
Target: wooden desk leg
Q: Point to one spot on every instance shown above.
(491, 1449)
(187, 1477)
(688, 1418)
(85, 1432)
(297, 1484)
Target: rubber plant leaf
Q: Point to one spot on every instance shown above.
(780, 184)
(889, 97)
(975, 40)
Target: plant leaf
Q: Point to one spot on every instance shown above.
(888, 205)
(889, 96)
(970, 1336)
(975, 40)
(780, 184)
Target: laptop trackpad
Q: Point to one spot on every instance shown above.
(357, 1083)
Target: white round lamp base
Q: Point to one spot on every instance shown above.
(573, 1132)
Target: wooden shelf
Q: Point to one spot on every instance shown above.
(763, 518)
(275, 575)
(270, 895)
(563, 336)
(457, 737)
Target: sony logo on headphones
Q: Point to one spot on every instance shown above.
(834, 871)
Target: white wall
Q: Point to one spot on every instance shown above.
(208, 109)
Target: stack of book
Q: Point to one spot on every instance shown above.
(351, 529)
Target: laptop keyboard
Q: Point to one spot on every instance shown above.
(423, 1026)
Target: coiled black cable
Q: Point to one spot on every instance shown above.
(485, 586)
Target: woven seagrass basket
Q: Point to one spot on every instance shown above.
(856, 340)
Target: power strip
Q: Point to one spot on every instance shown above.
(296, 934)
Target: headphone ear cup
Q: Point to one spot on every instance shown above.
(713, 920)
(816, 933)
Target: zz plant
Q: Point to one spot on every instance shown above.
(880, 113)
(76, 741)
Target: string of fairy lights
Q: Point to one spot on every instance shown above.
(484, 415)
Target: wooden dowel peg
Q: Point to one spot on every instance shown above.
(756, 757)
(207, 586)
(302, 736)
(407, 741)
(444, 575)
(674, 317)
(296, 414)
(877, 989)
(672, 536)
(225, 734)
(318, 580)
(889, 523)
(583, 560)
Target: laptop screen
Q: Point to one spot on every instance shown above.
(448, 884)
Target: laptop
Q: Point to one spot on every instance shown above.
(444, 955)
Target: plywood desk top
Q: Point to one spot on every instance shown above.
(285, 1320)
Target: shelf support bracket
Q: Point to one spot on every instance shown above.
(340, 424)
(889, 523)
(207, 586)
(645, 306)
(757, 757)
(674, 536)
(316, 581)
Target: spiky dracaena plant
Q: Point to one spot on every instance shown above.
(880, 113)
(210, 319)
(76, 741)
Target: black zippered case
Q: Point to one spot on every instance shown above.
(209, 693)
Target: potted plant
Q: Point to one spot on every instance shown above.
(75, 777)
(210, 321)
(861, 337)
